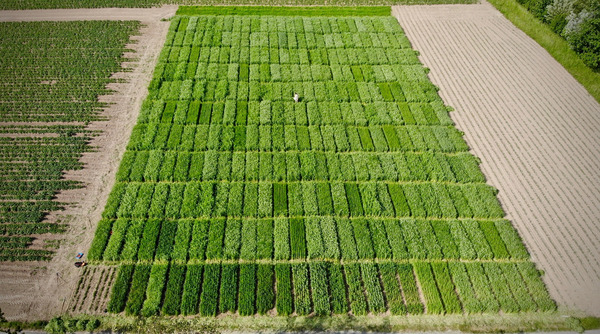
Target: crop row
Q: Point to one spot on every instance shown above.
(215, 89)
(344, 75)
(14, 148)
(24, 254)
(57, 111)
(62, 130)
(299, 24)
(340, 138)
(236, 51)
(304, 238)
(266, 199)
(286, 112)
(19, 229)
(19, 188)
(308, 32)
(153, 166)
(25, 211)
(15, 242)
(323, 288)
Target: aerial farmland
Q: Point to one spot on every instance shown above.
(216, 168)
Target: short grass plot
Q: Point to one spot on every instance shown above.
(360, 197)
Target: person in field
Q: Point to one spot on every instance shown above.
(296, 97)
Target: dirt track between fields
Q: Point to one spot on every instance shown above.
(40, 290)
(536, 130)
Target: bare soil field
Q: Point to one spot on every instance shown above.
(44, 289)
(536, 130)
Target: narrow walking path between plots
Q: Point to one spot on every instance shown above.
(86, 14)
(535, 128)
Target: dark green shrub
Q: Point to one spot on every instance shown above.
(586, 42)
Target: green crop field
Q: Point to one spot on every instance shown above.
(51, 74)
(46, 4)
(360, 198)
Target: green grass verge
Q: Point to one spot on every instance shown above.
(284, 11)
(590, 323)
(476, 323)
(553, 43)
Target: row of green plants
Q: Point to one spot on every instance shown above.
(347, 53)
(24, 254)
(19, 229)
(209, 87)
(336, 138)
(187, 29)
(339, 138)
(52, 72)
(309, 198)
(287, 112)
(178, 166)
(324, 288)
(305, 238)
(284, 11)
(19, 212)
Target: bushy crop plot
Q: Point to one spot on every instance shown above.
(359, 198)
(51, 74)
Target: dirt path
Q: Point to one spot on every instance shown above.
(115, 14)
(44, 289)
(536, 130)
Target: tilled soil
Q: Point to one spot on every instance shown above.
(536, 130)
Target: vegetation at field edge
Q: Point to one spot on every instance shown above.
(552, 42)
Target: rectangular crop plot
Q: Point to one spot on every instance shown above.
(360, 197)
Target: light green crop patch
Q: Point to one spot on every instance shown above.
(361, 197)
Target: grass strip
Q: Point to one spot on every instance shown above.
(555, 45)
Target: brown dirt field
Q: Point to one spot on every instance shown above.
(41, 290)
(536, 130)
